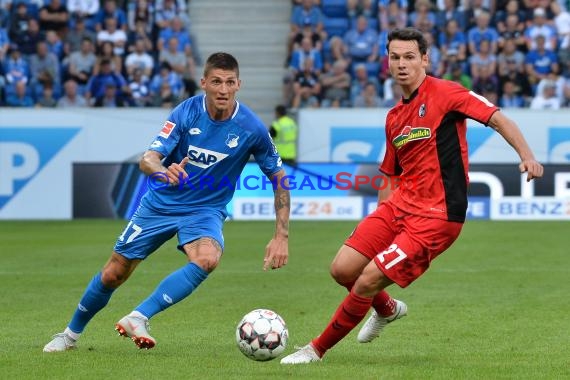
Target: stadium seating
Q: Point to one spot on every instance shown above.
(336, 26)
(334, 8)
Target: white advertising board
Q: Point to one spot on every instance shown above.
(536, 208)
(302, 208)
(37, 149)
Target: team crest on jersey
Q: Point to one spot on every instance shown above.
(167, 129)
(232, 140)
(411, 134)
(204, 158)
(422, 110)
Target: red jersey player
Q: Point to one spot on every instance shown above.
(413, 224)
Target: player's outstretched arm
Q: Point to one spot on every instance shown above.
(277, 250)
(151, 163)
(512, 134)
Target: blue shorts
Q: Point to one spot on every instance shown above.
(148, 230)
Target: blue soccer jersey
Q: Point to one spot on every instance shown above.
(217, 152)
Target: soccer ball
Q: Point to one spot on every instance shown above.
(262, 335)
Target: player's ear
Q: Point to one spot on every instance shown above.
(203, 84)
(425, 60)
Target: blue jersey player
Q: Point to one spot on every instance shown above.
(193, 166)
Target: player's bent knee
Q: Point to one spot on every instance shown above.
(117, 270)
(204, 252)
(207, 263)
(113, 278)
(342, 275)
(371, 281)
(347, 265)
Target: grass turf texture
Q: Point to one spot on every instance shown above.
(495, 306)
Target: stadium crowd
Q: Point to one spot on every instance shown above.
(515, 53)
(91, 53)
(139, 53)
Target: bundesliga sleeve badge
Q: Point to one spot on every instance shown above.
(167, 129)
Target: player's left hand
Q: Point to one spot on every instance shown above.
(276, 253)
(533, 169)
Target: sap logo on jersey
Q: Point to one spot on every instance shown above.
(24, 152)
(203, 158)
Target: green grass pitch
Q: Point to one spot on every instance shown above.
(494, 306)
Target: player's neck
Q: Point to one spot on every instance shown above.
(407, 91)
(221, 114)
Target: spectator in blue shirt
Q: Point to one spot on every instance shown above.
(306, 14)
(509, 98)
(20, 97)
(482, 32)
(167, 10)
(16, 68)
(176, 29)
(540, 26)
(452, 38)
(54, 44)
(306, 51)
(540, 62)
(97, 84)
(362, 42)
(448, 13)
(139, 88)
(167, 75)
(110, 9)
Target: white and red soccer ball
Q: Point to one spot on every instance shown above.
(262, 335)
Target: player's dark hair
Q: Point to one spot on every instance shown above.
(222, 61)
(408, 34)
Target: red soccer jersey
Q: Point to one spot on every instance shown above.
(426, 145)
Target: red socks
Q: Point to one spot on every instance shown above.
(382, 302)
(349, 314)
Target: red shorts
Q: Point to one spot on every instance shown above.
(402, 245)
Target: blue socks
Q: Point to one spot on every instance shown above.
(171, 290)
(95, 298)
(174, 288)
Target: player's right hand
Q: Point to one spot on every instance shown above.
(533, 169)
(176, 172)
